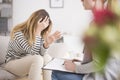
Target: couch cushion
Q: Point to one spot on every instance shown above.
(4, 75)
(4, 40)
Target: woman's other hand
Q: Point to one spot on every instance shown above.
(50, 39)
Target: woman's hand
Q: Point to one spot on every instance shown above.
(50, 39)
(69, 65)
(41, 25)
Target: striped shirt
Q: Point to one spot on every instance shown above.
(19, 47)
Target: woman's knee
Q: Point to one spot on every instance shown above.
(38, 59)
(47, 58)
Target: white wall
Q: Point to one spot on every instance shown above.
(72, 19)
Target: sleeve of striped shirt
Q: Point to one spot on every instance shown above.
(34, 49)
(43, 50)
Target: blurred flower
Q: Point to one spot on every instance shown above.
(104, 16)
(103, 36)
(115, 7)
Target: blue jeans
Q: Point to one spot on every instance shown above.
(59, 75)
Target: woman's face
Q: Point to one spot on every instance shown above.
(88, 4)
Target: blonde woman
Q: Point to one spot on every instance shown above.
(29, 41)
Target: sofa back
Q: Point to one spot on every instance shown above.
(4, 40)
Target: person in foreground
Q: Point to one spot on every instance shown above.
(87, 70)
(28, 44)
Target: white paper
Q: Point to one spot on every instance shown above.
(55, 64)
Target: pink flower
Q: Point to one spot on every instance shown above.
(105, 16)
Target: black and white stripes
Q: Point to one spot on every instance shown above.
(19, 47)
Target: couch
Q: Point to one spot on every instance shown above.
(55, 50)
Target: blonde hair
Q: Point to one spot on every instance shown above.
(28, 27)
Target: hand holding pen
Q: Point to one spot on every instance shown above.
(70, 65)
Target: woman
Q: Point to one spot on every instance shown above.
(87, 70)
(29, 41)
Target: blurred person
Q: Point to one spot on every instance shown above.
(28, 44)
(86, 70)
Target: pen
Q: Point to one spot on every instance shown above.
(76, 60)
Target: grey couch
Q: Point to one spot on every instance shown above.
(4, 75)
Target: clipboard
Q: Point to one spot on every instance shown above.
(56, 64)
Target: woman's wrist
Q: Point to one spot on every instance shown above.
(38, 33)
(46, 45)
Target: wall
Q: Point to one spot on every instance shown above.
(72, 19)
